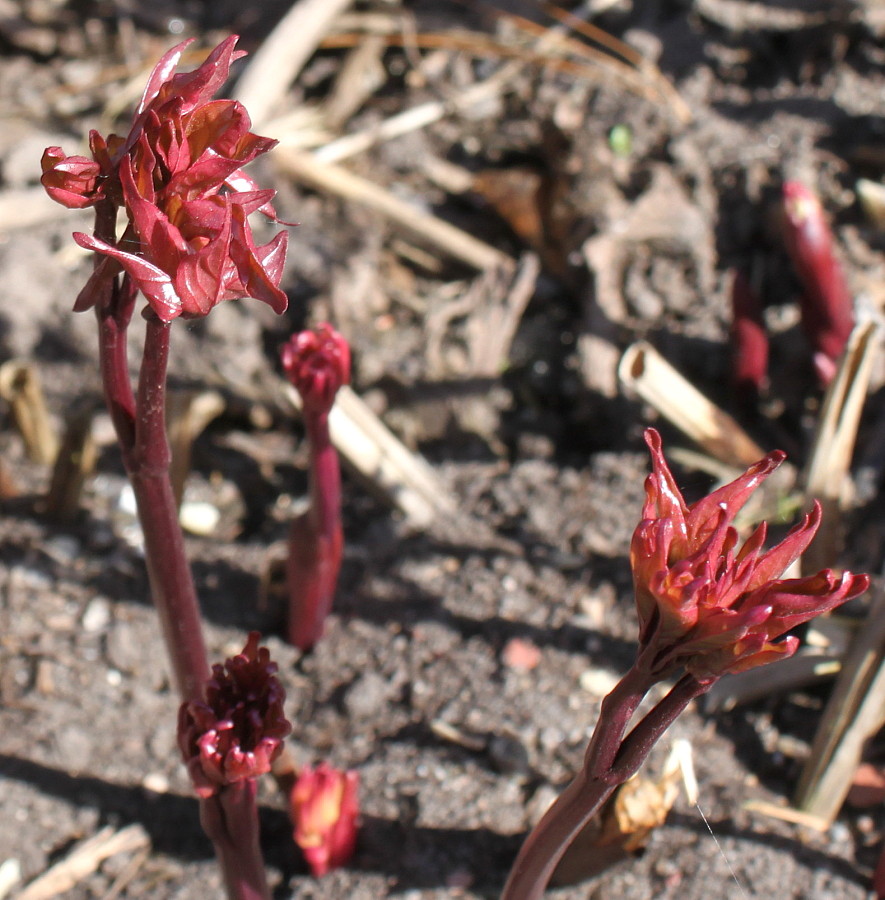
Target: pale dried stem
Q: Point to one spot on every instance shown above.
(20, 387)
(74, 463)
(855, 711)
(83, 860)
(187, 415)
(276, 64)
(426, 227)
(826, 476)
(503, 81)
(379, 458)
(645, 373)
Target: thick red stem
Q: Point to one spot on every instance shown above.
(610, 760)
(316, 540)
(230, 818)
(325, 475)
(172, 585)
(141, 431)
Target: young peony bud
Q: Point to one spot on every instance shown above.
(317, 363)
(238, 731)
(749, 341)
(827, 307)
(324, 807)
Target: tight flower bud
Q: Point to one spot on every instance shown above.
(324, 806)
(238, 731)
(317, 363)
(826, 303)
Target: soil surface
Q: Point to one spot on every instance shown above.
(465, 661)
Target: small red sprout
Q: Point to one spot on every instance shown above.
(826, 302)
(317, 363)
(749, 341)
(324, 806)
(178, 173)
(707, 606)
(238, 731)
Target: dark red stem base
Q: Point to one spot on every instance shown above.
(610, 760)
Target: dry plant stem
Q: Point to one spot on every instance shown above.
(610, 760)
(230, 818)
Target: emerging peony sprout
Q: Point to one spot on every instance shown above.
(706, 608)
(826, 302)
(238, 731)
(324, 806)
(749, 342)
(317, 363)
(186, 245)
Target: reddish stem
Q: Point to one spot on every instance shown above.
(749, 342)
(230, 818)
(615, 713)
(147, 462)
(316, 539)
(826, 301)
(325, 474)
(140, 423)
(610, 760)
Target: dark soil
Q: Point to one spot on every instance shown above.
(546, 465)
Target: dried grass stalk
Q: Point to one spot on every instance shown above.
(20, 387)
(644, 372)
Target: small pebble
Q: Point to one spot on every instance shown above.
(63, 548)
(550, 739)
(199, 518)
(366, 696)
(597, 682)
(460, 878)
(97, 615)
(520, 655)
(840, 832)
(508, 755)
(156, 782)
(126, 501)
(10, 875)
(540, 802)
